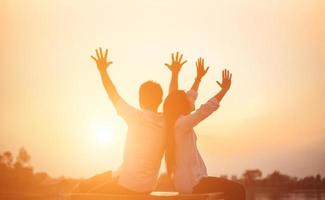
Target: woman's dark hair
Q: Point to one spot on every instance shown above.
(175, 105)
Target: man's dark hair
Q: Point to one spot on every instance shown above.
(150, 95)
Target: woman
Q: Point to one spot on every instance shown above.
(183, 161)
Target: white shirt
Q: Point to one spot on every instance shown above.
(143, 150)
(189, 167)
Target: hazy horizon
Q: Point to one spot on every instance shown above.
(53, 103)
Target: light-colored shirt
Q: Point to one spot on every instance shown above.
(143, 150)
(189, 166)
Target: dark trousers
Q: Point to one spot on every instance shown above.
(111, 187)
(103, 183)
(230, 189)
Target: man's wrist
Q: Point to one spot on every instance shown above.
(175, 73)
(102, 71)
(198, 79)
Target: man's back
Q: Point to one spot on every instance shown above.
(144, 148)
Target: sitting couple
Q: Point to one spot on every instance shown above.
(152, 134)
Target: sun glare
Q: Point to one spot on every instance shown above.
(104, 134)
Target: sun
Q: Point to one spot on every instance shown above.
(104, 134)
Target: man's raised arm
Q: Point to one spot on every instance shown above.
(102, 65)
(175, 67)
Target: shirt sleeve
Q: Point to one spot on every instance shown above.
(185, 123)
(126, 111)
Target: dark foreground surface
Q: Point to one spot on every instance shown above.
(155, 196)
(298, 195)
(288, 196)
(81, 196)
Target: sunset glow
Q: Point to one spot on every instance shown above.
(53, 103)
(104, 135)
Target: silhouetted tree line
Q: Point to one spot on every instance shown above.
(277, 180)
(17, 175)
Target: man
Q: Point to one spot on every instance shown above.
(145, 140)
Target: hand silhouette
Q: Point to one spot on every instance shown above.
(200, 71)
(101, 61)
(226, 80)
(177, 63)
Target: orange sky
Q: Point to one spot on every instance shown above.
(52, 101)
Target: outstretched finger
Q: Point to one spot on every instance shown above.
(106, 52)
(180, 58)
(219, 83)
(206, 70)
(177, 56)
(97, 53)
(185, 61)
(168, 65)
(101, 52)
(173, 60)
(93, 58)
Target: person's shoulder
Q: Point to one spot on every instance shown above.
(120, 102)
(180, 122)
(126, 111)
(181, 118)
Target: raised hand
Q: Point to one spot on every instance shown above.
(101, 60)
(102, 64)
(200, 71)
(177, 63)
(226, 80)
